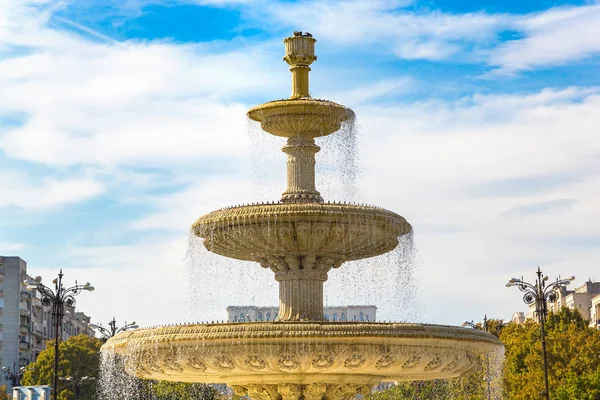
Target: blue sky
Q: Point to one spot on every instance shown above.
(121, 122)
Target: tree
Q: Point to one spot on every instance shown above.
(165, 390)
(3, 395)
(473, 386)
(573, 358)
(79, 357)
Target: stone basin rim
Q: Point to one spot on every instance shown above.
(299, 330)
(326, 107)
(284, 211)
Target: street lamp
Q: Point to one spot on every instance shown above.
(540, 294)
(58, 299)
(472, 324)
(77, 383)
(113, 330)
(15, 375)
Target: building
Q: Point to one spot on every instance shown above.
(343, 313)
(25, 322)
(595, 312)
(581, 298)
(518, 318)
(32, 393)
(585, 299)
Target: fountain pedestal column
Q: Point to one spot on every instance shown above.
(301, 171)
(301, 295)
(301, 285)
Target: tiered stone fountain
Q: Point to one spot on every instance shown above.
(300, 238)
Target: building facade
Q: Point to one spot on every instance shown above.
(32, 393)
(25, 323)
(343, 313)
(585, 299)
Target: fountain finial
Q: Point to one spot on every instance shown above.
(299, 54)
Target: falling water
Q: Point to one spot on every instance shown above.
(337, 169)
(216, 282)
(267, 163)
(115, 383)
(389, 281)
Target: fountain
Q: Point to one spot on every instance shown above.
(301, 238)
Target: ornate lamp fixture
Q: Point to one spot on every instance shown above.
(540, 294)
(58, 299)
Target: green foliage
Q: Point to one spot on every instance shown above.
(3, 395)
(164, 390)
(573, 351)
(78, 357)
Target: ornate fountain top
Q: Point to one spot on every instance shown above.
(300, 119)
(299, 54)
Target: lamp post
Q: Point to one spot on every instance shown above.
(77, 383)
(540, 293)
(472, 324)
(15, 375)
(113, 329)
(58, 299)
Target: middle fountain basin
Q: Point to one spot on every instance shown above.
(241, 354)
(342, 232)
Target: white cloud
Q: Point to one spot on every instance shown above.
(374, 90)
(554, 37)
(106, 104)
(11, 248)
(427, 160)
(431, 35)
(21, 192)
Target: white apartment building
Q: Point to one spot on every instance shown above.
(342, 313)
(25, 323)
(595, 312)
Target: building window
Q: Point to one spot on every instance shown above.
(268, 317)
(335, 316)
(326, 317)
(343, 316)
(260, 316)
(580, 306)
(354, 318)
(361, 316)
(234, 320)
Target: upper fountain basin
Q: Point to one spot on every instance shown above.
(340, 232)
(303, 117)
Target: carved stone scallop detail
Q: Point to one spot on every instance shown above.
(433, 364)
(255, 363)
(288, 362)
(224, 363)
(322, 360)
(197, 364)
(385, 362)
(411, 362)
(356, 360)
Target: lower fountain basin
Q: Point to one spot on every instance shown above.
(300, 353)
(342, 232)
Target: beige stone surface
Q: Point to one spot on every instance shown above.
(302, 353)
